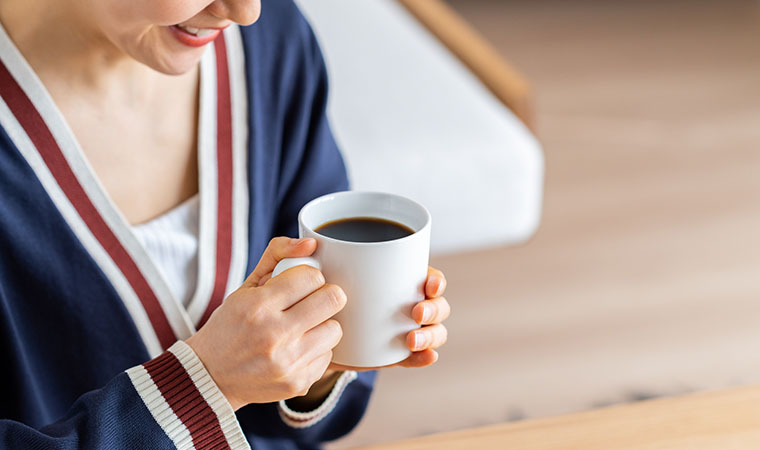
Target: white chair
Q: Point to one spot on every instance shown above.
(412, 119)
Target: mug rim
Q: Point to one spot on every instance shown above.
(325, 197)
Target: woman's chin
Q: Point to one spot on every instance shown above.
(168, 56)
(175, 67)
(176, 63)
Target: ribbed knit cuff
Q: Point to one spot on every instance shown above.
(306, 419)
(187, 404)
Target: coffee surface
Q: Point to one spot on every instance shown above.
(364, 229)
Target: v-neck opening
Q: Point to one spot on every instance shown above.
(51, 148)
(171, 240)
(86, 175)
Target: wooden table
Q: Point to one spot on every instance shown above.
(722, 420)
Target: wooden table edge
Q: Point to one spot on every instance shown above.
(725, 419)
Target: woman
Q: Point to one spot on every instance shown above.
(150, 151)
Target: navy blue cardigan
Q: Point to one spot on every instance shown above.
(85, 319)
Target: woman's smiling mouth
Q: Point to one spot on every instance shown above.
(194, 37)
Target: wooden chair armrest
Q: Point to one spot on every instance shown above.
(503, 80)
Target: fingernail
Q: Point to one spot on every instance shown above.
(296, 242)
(439, 289)
(420, 340)
(427, 314)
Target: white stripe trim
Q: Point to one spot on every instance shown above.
(159, 408)
(211, 393)
(80, 229)
(306, 419)
(240, 200)
(207, 167)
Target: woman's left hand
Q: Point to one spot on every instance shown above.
(430, 313)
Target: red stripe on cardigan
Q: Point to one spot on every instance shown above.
(34, 126)
(186, 401)
(224, 179)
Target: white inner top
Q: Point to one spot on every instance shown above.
(171, 241)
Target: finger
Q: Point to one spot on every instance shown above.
(318, 366)
(420, 359)
(293, 285)
(435, 285)
(317, 307)
(320, 339)
(428, 312)
(278, 249)
(431, 336)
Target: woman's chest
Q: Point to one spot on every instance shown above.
(146, 167)
(142, 150)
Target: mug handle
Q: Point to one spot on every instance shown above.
(287, 263)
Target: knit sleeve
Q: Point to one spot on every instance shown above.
(184, 400)
(305, 419)
(168, 402)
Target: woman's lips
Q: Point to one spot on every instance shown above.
(194, 37)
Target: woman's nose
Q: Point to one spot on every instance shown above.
(243, 12)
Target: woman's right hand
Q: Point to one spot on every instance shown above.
(272, 338)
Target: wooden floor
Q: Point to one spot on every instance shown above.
(644, 278)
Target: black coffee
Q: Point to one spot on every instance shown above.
(364, 229)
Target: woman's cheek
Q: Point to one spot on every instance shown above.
(155, 12)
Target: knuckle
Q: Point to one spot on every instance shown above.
(256, 313)
(297, 386)
(336, 296)
(316, 277)
(279, 368)
(335, 329)
(446, 306)
(290, 388)
(269, 351)
(443, 334)
(284, 387)
(270, 347)
(252, 316)
(276, 241)
(269, 295)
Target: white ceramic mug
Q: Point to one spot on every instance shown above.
(382, 280)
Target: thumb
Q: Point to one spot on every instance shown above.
(278, 249)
